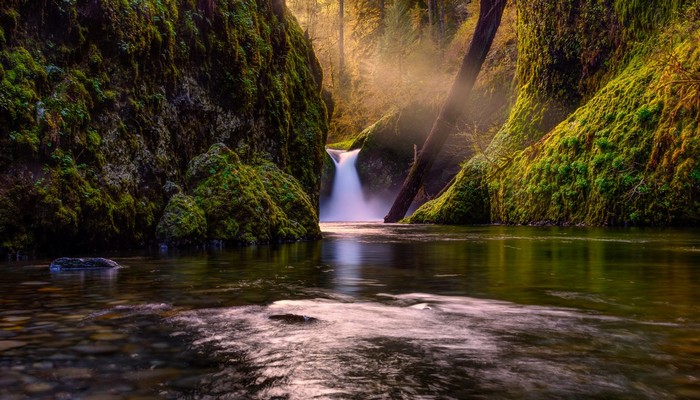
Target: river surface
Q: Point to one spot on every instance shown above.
(373, 311)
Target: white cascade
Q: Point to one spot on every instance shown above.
(347, 202)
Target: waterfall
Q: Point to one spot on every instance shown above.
(347, 202)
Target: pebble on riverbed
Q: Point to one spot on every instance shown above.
(11, 344)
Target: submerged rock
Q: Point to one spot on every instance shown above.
(72, 264)
(293, 318)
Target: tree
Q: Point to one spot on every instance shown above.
(400, 36)
(341, 40)
(432, 18)
(490, 15)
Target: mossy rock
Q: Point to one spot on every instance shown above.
(464, 202)
(627, 156)
(103, 102)
(286, 192)
(183, 223)
(247, 204)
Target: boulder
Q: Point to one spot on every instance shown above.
(73, 264)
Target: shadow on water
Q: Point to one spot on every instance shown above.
(372, 311)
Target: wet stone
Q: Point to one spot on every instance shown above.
(15, 319)
(43, 365)
(123, 388)
(15, 312)
(62, 357)
(7, 379)
(102, 396)
(73, 373)
(188, 383)
(61, 344)
(77, 264)
(293, 318)
(148, 377)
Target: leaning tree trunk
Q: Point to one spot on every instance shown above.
(489, 20)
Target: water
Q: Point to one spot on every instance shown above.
(347, 201)
(392, 312)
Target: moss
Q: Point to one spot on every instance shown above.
(463, 203)
(183, 223)
(638, 162)
(626, 156)
(286, 192)
(246, 204)
(102, 103)
(642, 17)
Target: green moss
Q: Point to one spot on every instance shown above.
(300, 214)
(183, 223)
(463, 203)
(641, 17)
(245, 204)
(637, 162)
(633, 165)
(112, 101)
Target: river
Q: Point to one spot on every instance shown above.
(373, 311)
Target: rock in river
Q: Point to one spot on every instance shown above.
(73, 264)
(293, 318)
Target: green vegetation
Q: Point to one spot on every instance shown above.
(247, 204)
(626, 155)
(183, 222)
(102, 103)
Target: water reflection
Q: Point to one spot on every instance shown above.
(106, 277)
(344, 257)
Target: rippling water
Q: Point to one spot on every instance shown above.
(372, 312)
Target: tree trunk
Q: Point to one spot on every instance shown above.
(432, 18)
(442, 24)
(489, 20)
(341, 41)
